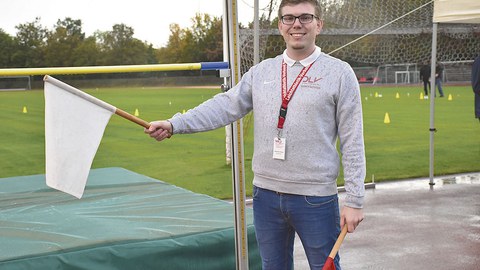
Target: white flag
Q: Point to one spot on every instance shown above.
(74, 126)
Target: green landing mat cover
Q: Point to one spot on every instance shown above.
(125, 220)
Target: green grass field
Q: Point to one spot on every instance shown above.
(196, 162)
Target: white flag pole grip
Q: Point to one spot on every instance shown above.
(97, 101)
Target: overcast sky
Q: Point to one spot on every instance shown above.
(150, 19)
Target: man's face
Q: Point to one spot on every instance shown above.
(300, 38)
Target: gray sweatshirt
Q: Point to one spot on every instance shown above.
(325, 106)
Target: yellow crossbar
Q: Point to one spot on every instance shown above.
(98, 69)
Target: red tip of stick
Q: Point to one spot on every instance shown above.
(329, 264)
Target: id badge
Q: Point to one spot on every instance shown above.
(279, 148)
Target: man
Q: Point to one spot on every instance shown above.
(295, 160)
(425, 77)
(438, 79)
(476, 85)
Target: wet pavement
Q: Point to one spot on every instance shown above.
(413, 225)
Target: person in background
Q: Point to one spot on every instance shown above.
(295, 160)
(476, 85)
(438, 79)
(425, 71)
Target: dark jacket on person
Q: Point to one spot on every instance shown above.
(439, 71)
(425, 73)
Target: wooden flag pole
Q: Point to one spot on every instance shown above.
(132, 118)
(338, 243)
(329, 263)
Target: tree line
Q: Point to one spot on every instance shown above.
(67, 45)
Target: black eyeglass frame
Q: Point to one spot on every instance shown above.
(309, 19)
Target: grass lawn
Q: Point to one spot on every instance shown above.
(196, 162)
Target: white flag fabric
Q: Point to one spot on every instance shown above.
(74, 126)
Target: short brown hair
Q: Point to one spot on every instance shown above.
(315, 3)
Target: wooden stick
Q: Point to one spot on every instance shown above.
(338, 243)
(132, 118)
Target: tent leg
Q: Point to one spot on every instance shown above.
(432, 103)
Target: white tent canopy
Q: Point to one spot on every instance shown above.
(456, 11)
(447, 11)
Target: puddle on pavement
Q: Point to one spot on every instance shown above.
(462, 179)
(421, 183)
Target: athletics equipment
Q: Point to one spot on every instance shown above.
(113, 69)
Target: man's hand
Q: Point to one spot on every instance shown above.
(352, 217)
(160, 130)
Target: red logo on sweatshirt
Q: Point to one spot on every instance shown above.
(308, 79)
(311, 82)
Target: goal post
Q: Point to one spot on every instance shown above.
(13, 83)
(384, 34)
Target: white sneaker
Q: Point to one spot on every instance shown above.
(425, 97)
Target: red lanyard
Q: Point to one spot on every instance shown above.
(287, 95)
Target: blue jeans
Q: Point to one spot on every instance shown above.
(277, 216)
(438, 83)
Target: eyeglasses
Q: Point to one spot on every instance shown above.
(304, 19)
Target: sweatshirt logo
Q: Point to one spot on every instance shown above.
(311, 82)
(308, 79)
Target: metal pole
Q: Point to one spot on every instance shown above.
(432, 102)
(232, 55)
(256, 34)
